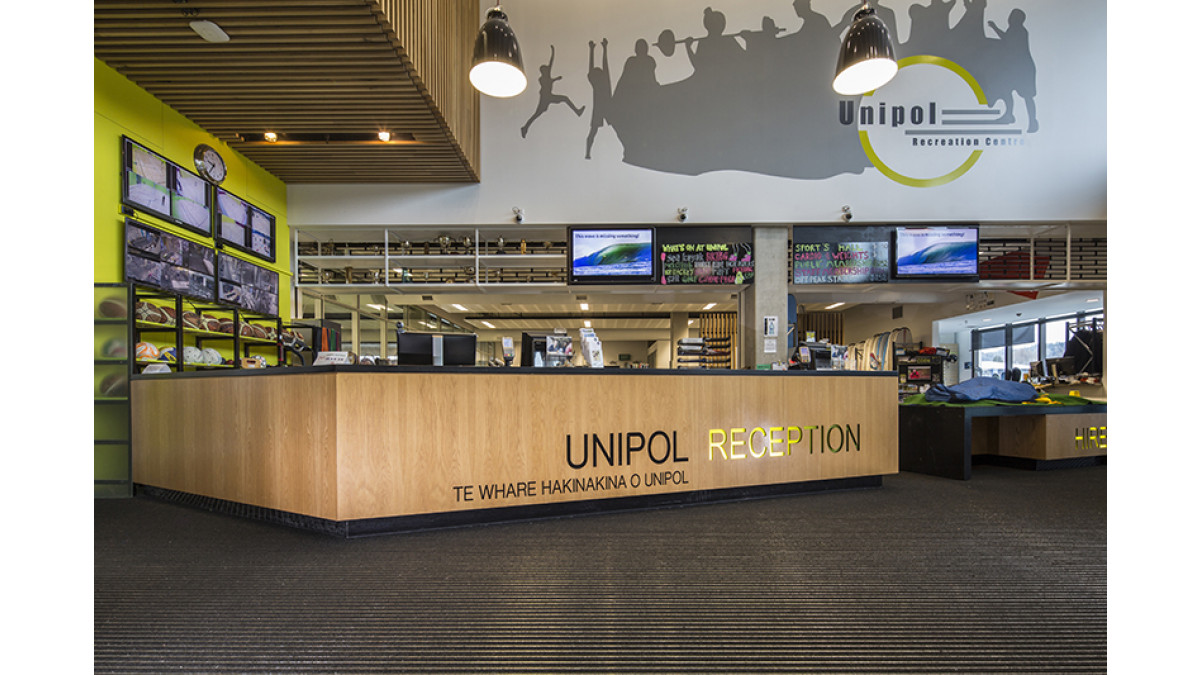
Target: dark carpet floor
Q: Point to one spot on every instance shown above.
(1003, 573)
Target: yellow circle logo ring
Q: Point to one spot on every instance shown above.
(965, 166)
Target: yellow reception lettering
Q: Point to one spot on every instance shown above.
(765, 441)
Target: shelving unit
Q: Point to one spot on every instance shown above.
(112, 424)
(242, 341)
(385, 259)
(719, 330)
(917, 370)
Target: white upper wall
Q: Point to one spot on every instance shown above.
(761, 130)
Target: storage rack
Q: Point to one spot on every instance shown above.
(112, 422)
(242, 345)
(719, 330)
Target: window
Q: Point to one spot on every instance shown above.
(997, 351)
(1056, 334)
(989, 349)
(1024, 347)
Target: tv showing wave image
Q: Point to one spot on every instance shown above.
(936, 253)
(610, 256)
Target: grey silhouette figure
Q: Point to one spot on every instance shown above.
(816, 26)
(601, 83)
(546, 95)
(638, 73)
(715, 51)
(930, 26)
(761, 41)
(636, 86)
(1015, 42)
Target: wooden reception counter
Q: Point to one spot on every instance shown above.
(355, 450)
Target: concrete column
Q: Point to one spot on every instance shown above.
(679, 330)
(662, 354)
(767, 297)
(383, 336)
(355, 323)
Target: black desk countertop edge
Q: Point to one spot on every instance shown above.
(472, 370)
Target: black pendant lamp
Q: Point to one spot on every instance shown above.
(496, 68)
(866, 60)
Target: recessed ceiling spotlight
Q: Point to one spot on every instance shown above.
(835, 305)
(584, 306)
(270, 136)
(459, 307)
(488, 324)
(587, 324)
(709, 306)
(385, 136)
(210, 31)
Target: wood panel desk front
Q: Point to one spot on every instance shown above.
(353, 443)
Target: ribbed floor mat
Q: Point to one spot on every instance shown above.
(1003, 573)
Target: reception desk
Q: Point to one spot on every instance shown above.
(947, 440)
(355, 450)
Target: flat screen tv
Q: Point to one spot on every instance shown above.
(159, 187)
(840, 255)
(247, 286)
(611, 255)
(426, 349)
(244, 226)
(164, 261)
(704, 255)
(936, 253)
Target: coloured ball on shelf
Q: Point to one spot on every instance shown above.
(146, 351)
(192, 355)
(167, 354)
(116, 384)
(211, 356)
(113, 308)
(149, 313)
(115, 349)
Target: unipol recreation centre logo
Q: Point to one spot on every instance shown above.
(923, 139)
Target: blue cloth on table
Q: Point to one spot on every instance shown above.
(982, 388)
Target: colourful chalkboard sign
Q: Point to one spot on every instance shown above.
(840, 255)
(705, 255)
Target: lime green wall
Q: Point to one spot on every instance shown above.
(123, 108)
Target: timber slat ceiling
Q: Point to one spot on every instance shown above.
(312, 66)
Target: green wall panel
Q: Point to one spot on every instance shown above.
(123, 108)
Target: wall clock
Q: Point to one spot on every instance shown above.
(209, 163)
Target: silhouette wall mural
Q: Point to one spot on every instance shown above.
(998, 113)
(743, 76)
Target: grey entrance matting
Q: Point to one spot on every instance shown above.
(1003, 573)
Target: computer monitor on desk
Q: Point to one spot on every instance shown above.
(545, 349)
(435, 349)
(533, 349)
